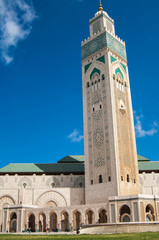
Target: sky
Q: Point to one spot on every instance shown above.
(41, 118)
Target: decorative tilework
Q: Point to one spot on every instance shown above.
(97, 115)
(119, 71)
(95, 70)
(87, 67)
(96, 98)
(101, 41)
(124, 67)
(101, 59)
(116, 46)
(99, 161)
(98, 137)
(112, 59)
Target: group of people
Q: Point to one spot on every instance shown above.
(46, 230)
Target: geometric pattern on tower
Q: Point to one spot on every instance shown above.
(119, 71)
(101, 59)
(95, 70)
(87, 67)
(102, 41)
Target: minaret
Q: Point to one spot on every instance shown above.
(111, 167)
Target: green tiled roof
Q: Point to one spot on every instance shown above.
(68, 164)
(72, 159)
(43, 168)
(148, 166)
(141, 158)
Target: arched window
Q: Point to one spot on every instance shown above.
(100, 179)
(125, 213)
(25, 185)
(128, 178)
(52, 184)
(80, 184)
(102, 216)
(150, 213)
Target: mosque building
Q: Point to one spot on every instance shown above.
(110, 184)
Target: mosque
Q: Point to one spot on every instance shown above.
(110, 184)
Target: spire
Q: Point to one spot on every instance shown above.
(100, 6)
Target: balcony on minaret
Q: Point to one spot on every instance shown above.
(100, 21)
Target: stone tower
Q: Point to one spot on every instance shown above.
(111, 167)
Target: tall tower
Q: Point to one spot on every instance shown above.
(111, 167)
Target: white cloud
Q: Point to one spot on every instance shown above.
(16, 17)
(75, 136)
(140, 132)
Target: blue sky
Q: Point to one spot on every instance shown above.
(41, 84)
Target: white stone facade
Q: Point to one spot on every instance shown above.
(109, 192)
(67, 204)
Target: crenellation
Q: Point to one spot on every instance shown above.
(105, 186)
(100, 32)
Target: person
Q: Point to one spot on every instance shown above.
(7, 230)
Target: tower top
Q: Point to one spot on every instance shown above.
(100, 21)
(100, 6)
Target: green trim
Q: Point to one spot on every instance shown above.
(76, 166)
(141, 158)
(95, 70)
(113, 59)
(101, 59)
(101, 41)
(119, 71)
(72, 163)
(87, 67)
(72, 159)
(148, 165)
(93, 20)
(124, 67)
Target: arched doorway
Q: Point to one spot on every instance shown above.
(149, 213)
(89, 217)
(42, 222)
(102, 216)
(65, 221)
(53, 222)
(76, 220)
(32, 223)
(125, 214)
(13, 222)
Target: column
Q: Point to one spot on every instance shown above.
(58, 221)
(83, 217)
(47, 219)
(19, 219)
(96, 217)
(5, 220)
(70, 220)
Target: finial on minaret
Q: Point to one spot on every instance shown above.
(100, 6)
